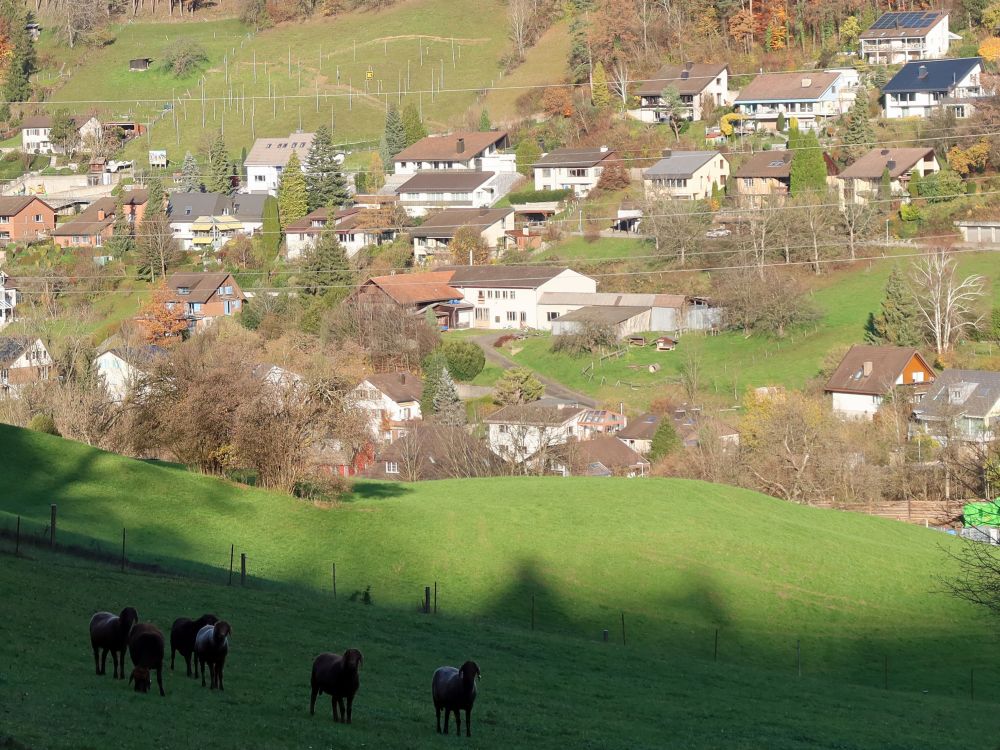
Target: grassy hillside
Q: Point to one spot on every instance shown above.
(679, 558)
(309, 73)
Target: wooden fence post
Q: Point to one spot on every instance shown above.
(335, 580)
(427, 600)
(435, 597)
(623, 628)
(232, 552)
(123, 549)
(52, 526)
(243, 568)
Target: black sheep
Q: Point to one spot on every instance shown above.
(109, 632)
(211, 646)
(145, 646)
(337, 676)
(455, 690)
(182, 635)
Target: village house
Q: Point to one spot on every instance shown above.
(601, 456)
(205, 297)
(25, 218)
(425, 192)
(862, 180)
(415, 294)
(638, 433)
(210, 233)
(267, 159)
(508, 296)
(391, 401)
(520, 431)
(576, 169)
(812, 98)
(356, 228)
(899, 37)
(36, 133)
(766, 178)
(8, 300)
(218, 217)
(686, 175)
(701, 86)
(868, 374)
(474, 151)
(430, 451)
(596, 422)
(432, 239)
(23, 360)
(961, 405)
(621, 320)
(95, 224)
(921, 87)
(121, 366)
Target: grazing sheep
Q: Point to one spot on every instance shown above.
(145, 646)
(109, 632)
(182, 635)
(336, 676)
(455, 690)
(211, 646)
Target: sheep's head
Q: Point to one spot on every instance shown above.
(140, 677)
(206, 620)
(128, 618)
(469, 672)
(353, 659)
(222, 631)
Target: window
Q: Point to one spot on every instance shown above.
(908, 96)
(482, 313)
(405, 412)
(183, 290)
(918, 376)
(4, 220)
(38, 219)
(228, 290)
(259, 178)
(187, 210)
(748, 182)
(391, 467)
(524, 317)
(577, 172)
(551, 315)
(546, 172)
(511, 316)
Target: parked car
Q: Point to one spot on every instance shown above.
(716, 233)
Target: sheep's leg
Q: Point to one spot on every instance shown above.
(97, 661)
(213, 675)
(350, 706)
(202, 663)
(312, 700)
(468, 722)
(343, 713)
(159, 680)
(437, 710)
(458, 722)
(187, 661)
(104, 661)
(447, 716)
(173, 653)
(333, 703)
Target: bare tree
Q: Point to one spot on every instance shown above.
(620, 78)
(81, 17)
(946, 305)
(812, 223)
(857, 219)
(520, 15)
(678, 227)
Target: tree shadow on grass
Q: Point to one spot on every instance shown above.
(367, 490)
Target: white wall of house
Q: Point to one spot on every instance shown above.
(8, 303)
(118, 375)
(421, 203)
(499, 307)
(38, 139)
(495, 236)
(922, 103)
(516, 442)
(581, 180)
(380, 408)
(895, 50)
(863, 190)
(35, 356)
(489, 159)
(696, 187)
(263, 179)
(856, 405)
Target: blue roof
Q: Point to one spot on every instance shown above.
(941, 75)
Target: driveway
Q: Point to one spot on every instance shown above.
(552, 388)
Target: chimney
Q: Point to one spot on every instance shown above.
(866, 368)
(667, 153)
(922, 72)
(885, 152)
(402, 378)
(688, 65)
(807, 82)
(460, 146)
(101, 215)
(685, 74)
(890, 165)
(604, 149)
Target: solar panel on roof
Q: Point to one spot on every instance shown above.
(777, 163)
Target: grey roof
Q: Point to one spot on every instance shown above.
(681, 164)
(575, 157)
(401, 387)
(931, 75)
(249, 206)
(533, 415)
(641, 428)
(275, 152)
(977, 392)
(511, 277)
(454, 180)
(189, 206)
(12, 347)
(687, 79)
(602, 315)
(447, 222)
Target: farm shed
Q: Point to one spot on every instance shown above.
(979, 231)
(139, 64)
(622, 320)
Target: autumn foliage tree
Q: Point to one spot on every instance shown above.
(558, 101)
(161, 322)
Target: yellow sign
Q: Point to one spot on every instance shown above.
(369, 74)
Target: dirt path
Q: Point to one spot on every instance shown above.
(552, 387)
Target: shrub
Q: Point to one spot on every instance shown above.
(501, 342)
(909, 212)
(183, 57)
(538, 196)
(43, 423)
(465, 359)
(588, 339)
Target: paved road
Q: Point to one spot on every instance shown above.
(552, 387)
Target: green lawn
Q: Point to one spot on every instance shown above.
(679, 558)
(578, 248)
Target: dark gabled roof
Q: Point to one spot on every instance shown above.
(446, 223)
(931, 75)
(12, 347)
(401, 387)
(699, 76)
(454, 180)
(608, 316)
(12, 205)
(875, 162)
(641, 428)
(445, 147)
(248, 206)
(45, 121)
(904, 24)
(785, 87)
(776, 164)
(575, 157)
(189, 206)
(978, 394)
(87, 223)
(887, 363)
(511, 277)
(681, 164)
(201, 285)
(534, 415)
(418, 288)
(606, 450)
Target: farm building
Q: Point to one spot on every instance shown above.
(139, 64)
(667, 312)
(624, 321)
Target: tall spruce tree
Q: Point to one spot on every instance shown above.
(326, 269)
(808, 172)
(413, 126)
(897, 323)
(17, 83)
(122, 240)
(217, 178)
(190, 179)
(293, 195)
(484, 121)
(434, 366)
(448, 407)
(860, 133)
(154, 202)
(325, 181)
(393, 137)
(602, 94)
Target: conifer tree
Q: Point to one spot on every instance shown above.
(448, 407)
(122, 240)
(527, 153)
(324, 180)
(665, 439)
(22, 63)
(897, 323)
(413, 126)
(217, 179)
(293, 195)
(190, 179)
(154, 202)
(393, 137)
(860, 134)
(602, 94)
(326, 269)
(484, 121)
(808, 172)
(434, 366)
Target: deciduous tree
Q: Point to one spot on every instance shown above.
(947, 306)
(162, 323)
